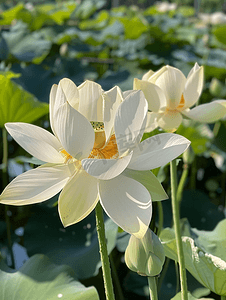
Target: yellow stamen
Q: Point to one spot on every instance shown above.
(181, 104)
(107, 152)
(179, 107)
(66, 155)
(99, 139)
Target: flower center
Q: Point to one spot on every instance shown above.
(66, 156)
(178, 108)
(109, 151)
(181, 104)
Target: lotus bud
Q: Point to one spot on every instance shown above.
(216, 87)
(146, 255)
(188, 156)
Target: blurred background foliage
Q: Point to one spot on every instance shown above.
(111, 42)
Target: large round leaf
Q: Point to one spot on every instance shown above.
(39, 279)
(204, 254)
(17, 105)
(76, 245)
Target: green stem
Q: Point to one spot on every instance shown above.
(223, 297)
(163, 273)
(223, 180)
(104, 253)
(193, 175)
(5, 182)
(152, 288)
(116, 279)
(182, 182)
(216, 128)
(176, 220)
(160, 214)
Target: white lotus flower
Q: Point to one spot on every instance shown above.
(170, 95)
(107, 164)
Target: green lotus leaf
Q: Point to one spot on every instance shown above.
(190, 297)
(76, 246)
(39, 279)
(10, 14)
(204, 251)
(199, 135)
(219, 33)
(17, 105)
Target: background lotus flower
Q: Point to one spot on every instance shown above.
(170, 95)
(91, 165)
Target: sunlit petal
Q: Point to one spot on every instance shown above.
(128, 204)
(71, 92)
(130, 121)
(172, 82)
(193, 70)
(153, 94)
(78, 198)
(52, 98)
(157, 151)
(170, 121)
(75, 132)
(36, 141)
(36, 185)
(157, 74)
(112, 100)
(66, 91)
(152, 121)
(147, 75)
(193, 87)
(91, 101)
(207, 113)
(106, 169)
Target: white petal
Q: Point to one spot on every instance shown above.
(36, 141)
(71, 92)
(127, 203)
(66, 91)
(193, 87)
(153, 94)
(91, 101)
(130, 121)
(112, 100)
(157, 74)
(207, 113)
(172, 82)
(52, 98)
(170, 121)
(150, 181)
(36, 185)
(127, 93)
(147, 75)
(106, 168)
(78, 198)
(75, 132)
(152, 121)
(157, 151)
(192, 71)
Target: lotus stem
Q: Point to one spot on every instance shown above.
(182, 182)
(176, 220)
(108, 286)
(152, 288)
(5, 182)
(160, 220)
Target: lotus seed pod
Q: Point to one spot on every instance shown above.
(145, 256)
